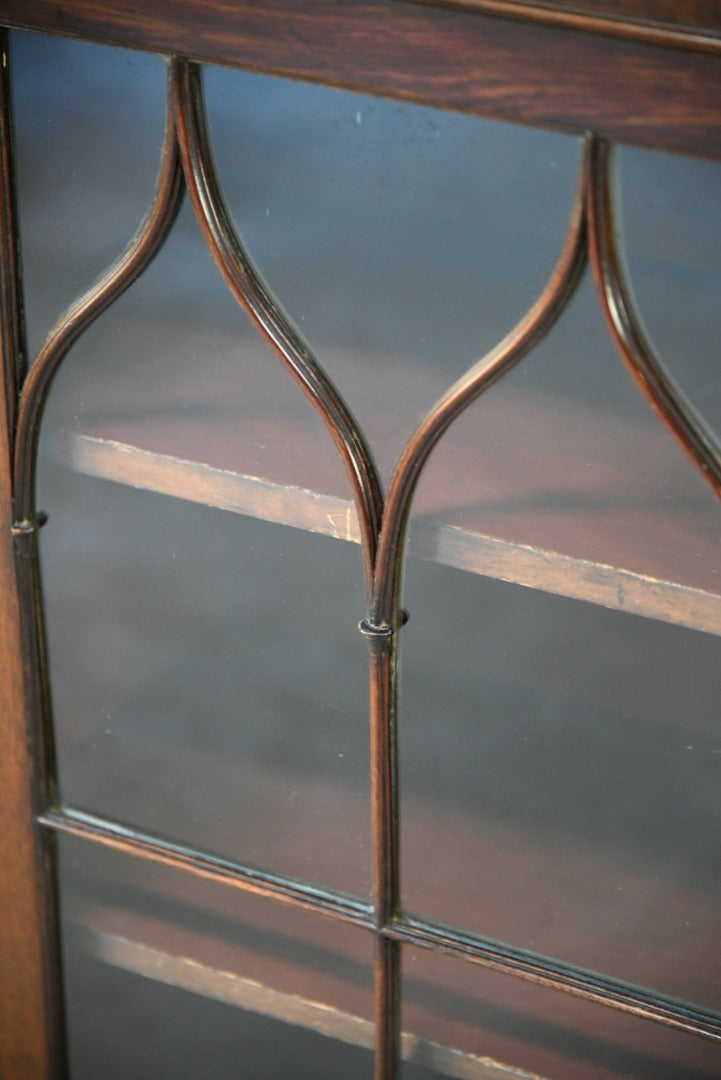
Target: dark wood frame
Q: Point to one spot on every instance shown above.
(652, 81)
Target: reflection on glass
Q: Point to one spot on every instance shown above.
(560, 761)
(466, 1021)
(212, 687)
(167, 976)
(404, 241)
(561, 758)
(672, 224)
(88, 133)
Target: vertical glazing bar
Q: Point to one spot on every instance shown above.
(31, 1020)
(385, 618)
(387, 1008)
(384, 801)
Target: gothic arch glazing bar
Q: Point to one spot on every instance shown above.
(626, 326)
(85, 310)
(385, 617)
(389, 927)
(255, 298)
(534, 325)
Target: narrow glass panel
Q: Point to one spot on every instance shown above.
(560, 762)
(89, 126)
(578, 745)
(184, 641)
(671, 214)
(168, 976)
(208, 680)
(465, 1021)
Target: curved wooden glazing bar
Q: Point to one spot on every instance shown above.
(86, 309)
(527, 333)
(637, 353)
(253, 295)
(25, 522)
(385, 617)
(479, 61)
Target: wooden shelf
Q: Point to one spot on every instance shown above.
(169, 954)
(594, 506)
(550, 489)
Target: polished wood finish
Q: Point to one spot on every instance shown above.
(647, 73)
(685, 24)
(460, 59)
(684, 14)
(27, 1042)
(31, 1033)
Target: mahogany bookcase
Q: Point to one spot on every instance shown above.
(644, 73)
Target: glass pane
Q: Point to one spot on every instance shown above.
(562, 758)
(465, 1021)
(88, 135)
(672, 223)
(191, 656)
(182, 697)
(560, 761)
(209, 683)
(168, 976)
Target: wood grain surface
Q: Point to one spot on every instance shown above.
(27, 1044)
(630, 89)
(459, 59)
(682, 23)
(686, 14)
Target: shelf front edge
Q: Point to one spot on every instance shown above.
(501, 559)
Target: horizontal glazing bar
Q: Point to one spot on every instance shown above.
(411, 930)
(179, 857)
(557, 975)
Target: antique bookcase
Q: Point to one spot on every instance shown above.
(222, 854)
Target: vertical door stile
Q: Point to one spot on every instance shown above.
(31, 1014)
